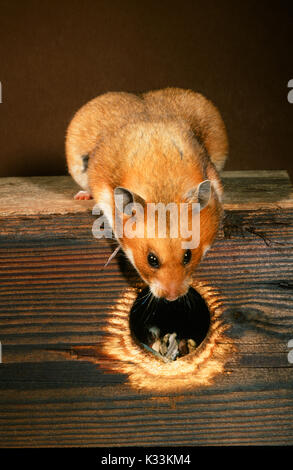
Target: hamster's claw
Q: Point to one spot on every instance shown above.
(83, 196)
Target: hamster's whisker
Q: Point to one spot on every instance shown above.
(149, 310)
(150, 301)
(112, 256)
(185, 302)
(145, 297)
(188, 300)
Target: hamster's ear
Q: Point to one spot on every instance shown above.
(204, 193)
(200, 194)
(125, 200)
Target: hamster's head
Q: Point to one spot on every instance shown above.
(164, 257)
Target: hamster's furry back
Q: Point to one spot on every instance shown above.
(105, 117)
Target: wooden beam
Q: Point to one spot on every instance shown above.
(40, 195)
(60, 310)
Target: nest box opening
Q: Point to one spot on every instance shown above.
(133, 318)
(169, 330)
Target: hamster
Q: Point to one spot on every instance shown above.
(161, 146)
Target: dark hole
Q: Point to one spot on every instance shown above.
(188, 317)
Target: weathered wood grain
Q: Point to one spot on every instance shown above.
(55, 295)
(43, 195)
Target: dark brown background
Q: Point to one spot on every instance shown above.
(55, 56)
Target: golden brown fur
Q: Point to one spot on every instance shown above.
(159, 146)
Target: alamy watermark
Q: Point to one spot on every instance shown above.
(290, 354)
(290, 94)
(149, 221)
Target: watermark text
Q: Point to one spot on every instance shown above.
(152, 220)
(290, 94)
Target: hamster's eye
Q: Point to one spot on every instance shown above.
(153, 260)
(187, 257)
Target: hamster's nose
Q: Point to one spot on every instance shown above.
(172, 292)
(171, 298)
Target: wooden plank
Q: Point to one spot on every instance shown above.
(251, 190)
(57, 389)
(39, 195)
(54, 195)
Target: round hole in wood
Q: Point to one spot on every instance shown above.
(120, 350)
(151, 319)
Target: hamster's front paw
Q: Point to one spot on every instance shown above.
(83, 195)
